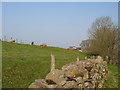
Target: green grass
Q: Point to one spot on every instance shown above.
(22, 64)
(113, 78)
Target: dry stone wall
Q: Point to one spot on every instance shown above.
(89, 73)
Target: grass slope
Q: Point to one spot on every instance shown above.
(22, 64)
(113, 79)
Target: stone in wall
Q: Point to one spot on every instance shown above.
(57, 76)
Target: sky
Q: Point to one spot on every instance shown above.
(0, 19)
(59, 24)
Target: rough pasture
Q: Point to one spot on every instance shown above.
(22, 63)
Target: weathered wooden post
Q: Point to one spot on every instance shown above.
(16, 40)
(107, 59)
(52, 62)
(110, 62)
(93, 57)
(78, 59)
(5, 38)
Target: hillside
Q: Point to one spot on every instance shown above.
(22, 64)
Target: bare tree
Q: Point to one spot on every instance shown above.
(103, 35)
(118, 47)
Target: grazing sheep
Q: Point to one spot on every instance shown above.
(12, 41)
(32, 43)
(44, 45)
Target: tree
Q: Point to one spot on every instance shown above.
(118, 47)
(85, 44)
(104, 41)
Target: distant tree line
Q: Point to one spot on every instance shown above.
(103, 39)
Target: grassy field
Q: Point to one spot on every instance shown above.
(22, 64)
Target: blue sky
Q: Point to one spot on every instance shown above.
(0, 19)
(61, 24)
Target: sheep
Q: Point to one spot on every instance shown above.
(44, 45)
(12, 41)
(32, 43)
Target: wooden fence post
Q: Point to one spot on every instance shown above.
(5, 38)
(52, 62)
(78, 59)
(16, 40)
(107, 59)
(93, 57)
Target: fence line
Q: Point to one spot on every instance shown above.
(7, 39)
(39, 57)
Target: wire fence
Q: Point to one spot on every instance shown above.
(43, 58)
(17, 40)
(7, 39)
(26, 57)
